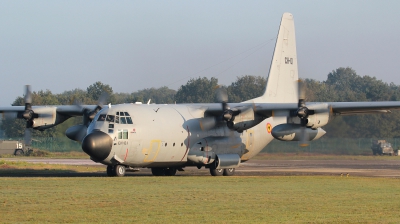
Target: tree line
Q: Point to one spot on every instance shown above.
(342, 84)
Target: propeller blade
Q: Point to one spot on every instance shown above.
(88, 115)
(28, 136)
(302, 113)
(103, 98)
(304, 138)
(207, 123)
(301, 89)
(221, 95)
(28, 94)
(10, 115)
(302, 94)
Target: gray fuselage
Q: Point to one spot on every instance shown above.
(164, 135)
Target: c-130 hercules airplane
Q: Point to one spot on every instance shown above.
(217, 136)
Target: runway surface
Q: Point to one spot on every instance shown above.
(369, 168)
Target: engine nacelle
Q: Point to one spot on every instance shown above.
(292, 132)
(46, 117)
(321, 116)
(205, 151)
(244, 120)
(76, 132)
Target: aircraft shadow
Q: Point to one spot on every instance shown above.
(10, 172)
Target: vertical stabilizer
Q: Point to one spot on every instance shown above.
(283, 74)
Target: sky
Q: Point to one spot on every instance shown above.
(133, 45)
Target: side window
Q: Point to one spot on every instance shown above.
(110, 118)
(102, 117)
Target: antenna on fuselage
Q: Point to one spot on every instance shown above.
(148, 102)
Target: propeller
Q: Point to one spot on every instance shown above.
(210, 122)
(88, 115)
(303, 112)
(28, 115)
(228, 114)
(78, 132)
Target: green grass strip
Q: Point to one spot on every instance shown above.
(200, 199)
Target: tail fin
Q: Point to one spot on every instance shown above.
(283, 73)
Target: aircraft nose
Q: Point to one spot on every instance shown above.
(97, 145)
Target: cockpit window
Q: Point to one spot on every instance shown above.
(102, 117)
(123, 120)
(110, 118)
(129, 120)
(119, 118)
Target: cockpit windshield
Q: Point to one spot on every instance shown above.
(119, 118)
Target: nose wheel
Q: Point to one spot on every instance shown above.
(116, 170)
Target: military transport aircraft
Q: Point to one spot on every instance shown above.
(217, 136)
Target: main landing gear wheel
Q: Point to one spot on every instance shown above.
(158, 171)
(119, 170)
(161, 171)
(170, 172)
(110, 170)
(229, 171)
(216, 172)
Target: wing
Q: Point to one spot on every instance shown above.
(44, 117)
(337, 108)
(242, 116)
(349, 108)
(68, 110)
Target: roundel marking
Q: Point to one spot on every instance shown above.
(269, 128)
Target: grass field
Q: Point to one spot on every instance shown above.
(35, 193)
(199, 199)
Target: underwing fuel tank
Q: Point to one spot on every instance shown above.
(292, 132)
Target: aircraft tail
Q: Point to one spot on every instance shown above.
(282, 81)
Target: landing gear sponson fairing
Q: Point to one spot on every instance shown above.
(167, 138)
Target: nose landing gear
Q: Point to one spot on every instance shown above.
(116, 170)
